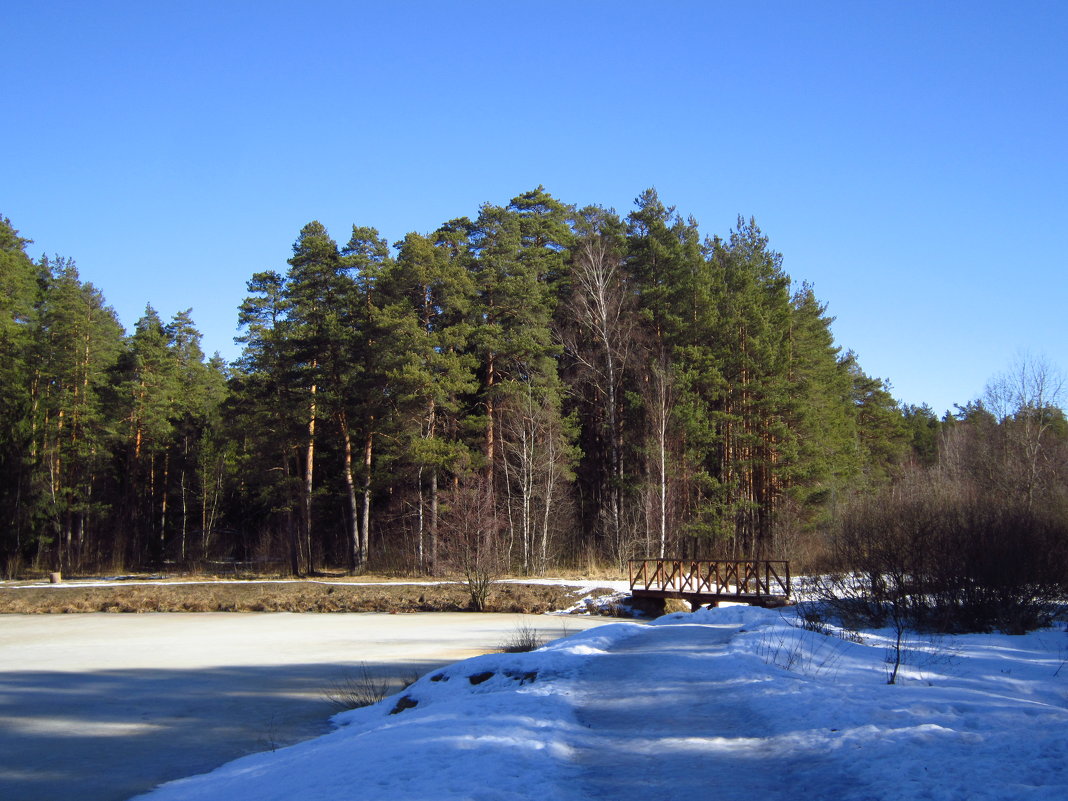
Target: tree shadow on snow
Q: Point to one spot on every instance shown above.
(109, 735)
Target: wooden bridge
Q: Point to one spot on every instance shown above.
(760, 582)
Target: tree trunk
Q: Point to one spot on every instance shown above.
(163, 508)
(292, 528)
(490, 429)
(354, 528)
(309, 469)
(434, 521)
(420, 539)
(365, 537)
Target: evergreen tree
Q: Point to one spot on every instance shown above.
(76, 342)
(823, 459)
(427, 300)
(680, 301)
(19, 292)
(192, 461)
(266, 407)
(881, 436)
(146, 386)
(520, 255)
(213, 461)
(757, 437)
(364, 390)
(315, 297)
(923, 430)
(18, 300)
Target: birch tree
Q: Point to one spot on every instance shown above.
(604, 316)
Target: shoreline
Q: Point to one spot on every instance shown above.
(298, 596)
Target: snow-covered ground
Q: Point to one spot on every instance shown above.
(726, 704)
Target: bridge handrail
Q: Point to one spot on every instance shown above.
(757, 577)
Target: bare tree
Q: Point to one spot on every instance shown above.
(659, 403)
(601, 342)
(471, 540)
(1027, 401)
(536, 464)
(938, 552)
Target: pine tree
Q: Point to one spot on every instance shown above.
(755, 440)
(366, 258)
(76, 342)
(19, 292)
(822, 459)
(18, 299)
(520, 256)
(192, 465)
(268, 421)
(679, 308)
(315, 296)
(923, 431)
(881, 439)
(147, 386)
(427, 300)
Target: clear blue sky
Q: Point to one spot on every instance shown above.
(908, 158)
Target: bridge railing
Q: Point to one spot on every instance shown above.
(759, 577)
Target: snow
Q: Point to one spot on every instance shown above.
(730, 703)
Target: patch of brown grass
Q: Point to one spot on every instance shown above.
(278, 597)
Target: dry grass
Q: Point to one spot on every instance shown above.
(300, 596)
(360, 689)
(525, 638)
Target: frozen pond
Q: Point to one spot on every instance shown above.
(101, 707)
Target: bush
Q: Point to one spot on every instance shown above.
(525, 638)
(941, 558)
(359, 690)
(471, 530)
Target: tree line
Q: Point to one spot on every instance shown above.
(544, 384)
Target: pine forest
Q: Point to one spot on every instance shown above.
(540, 387)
